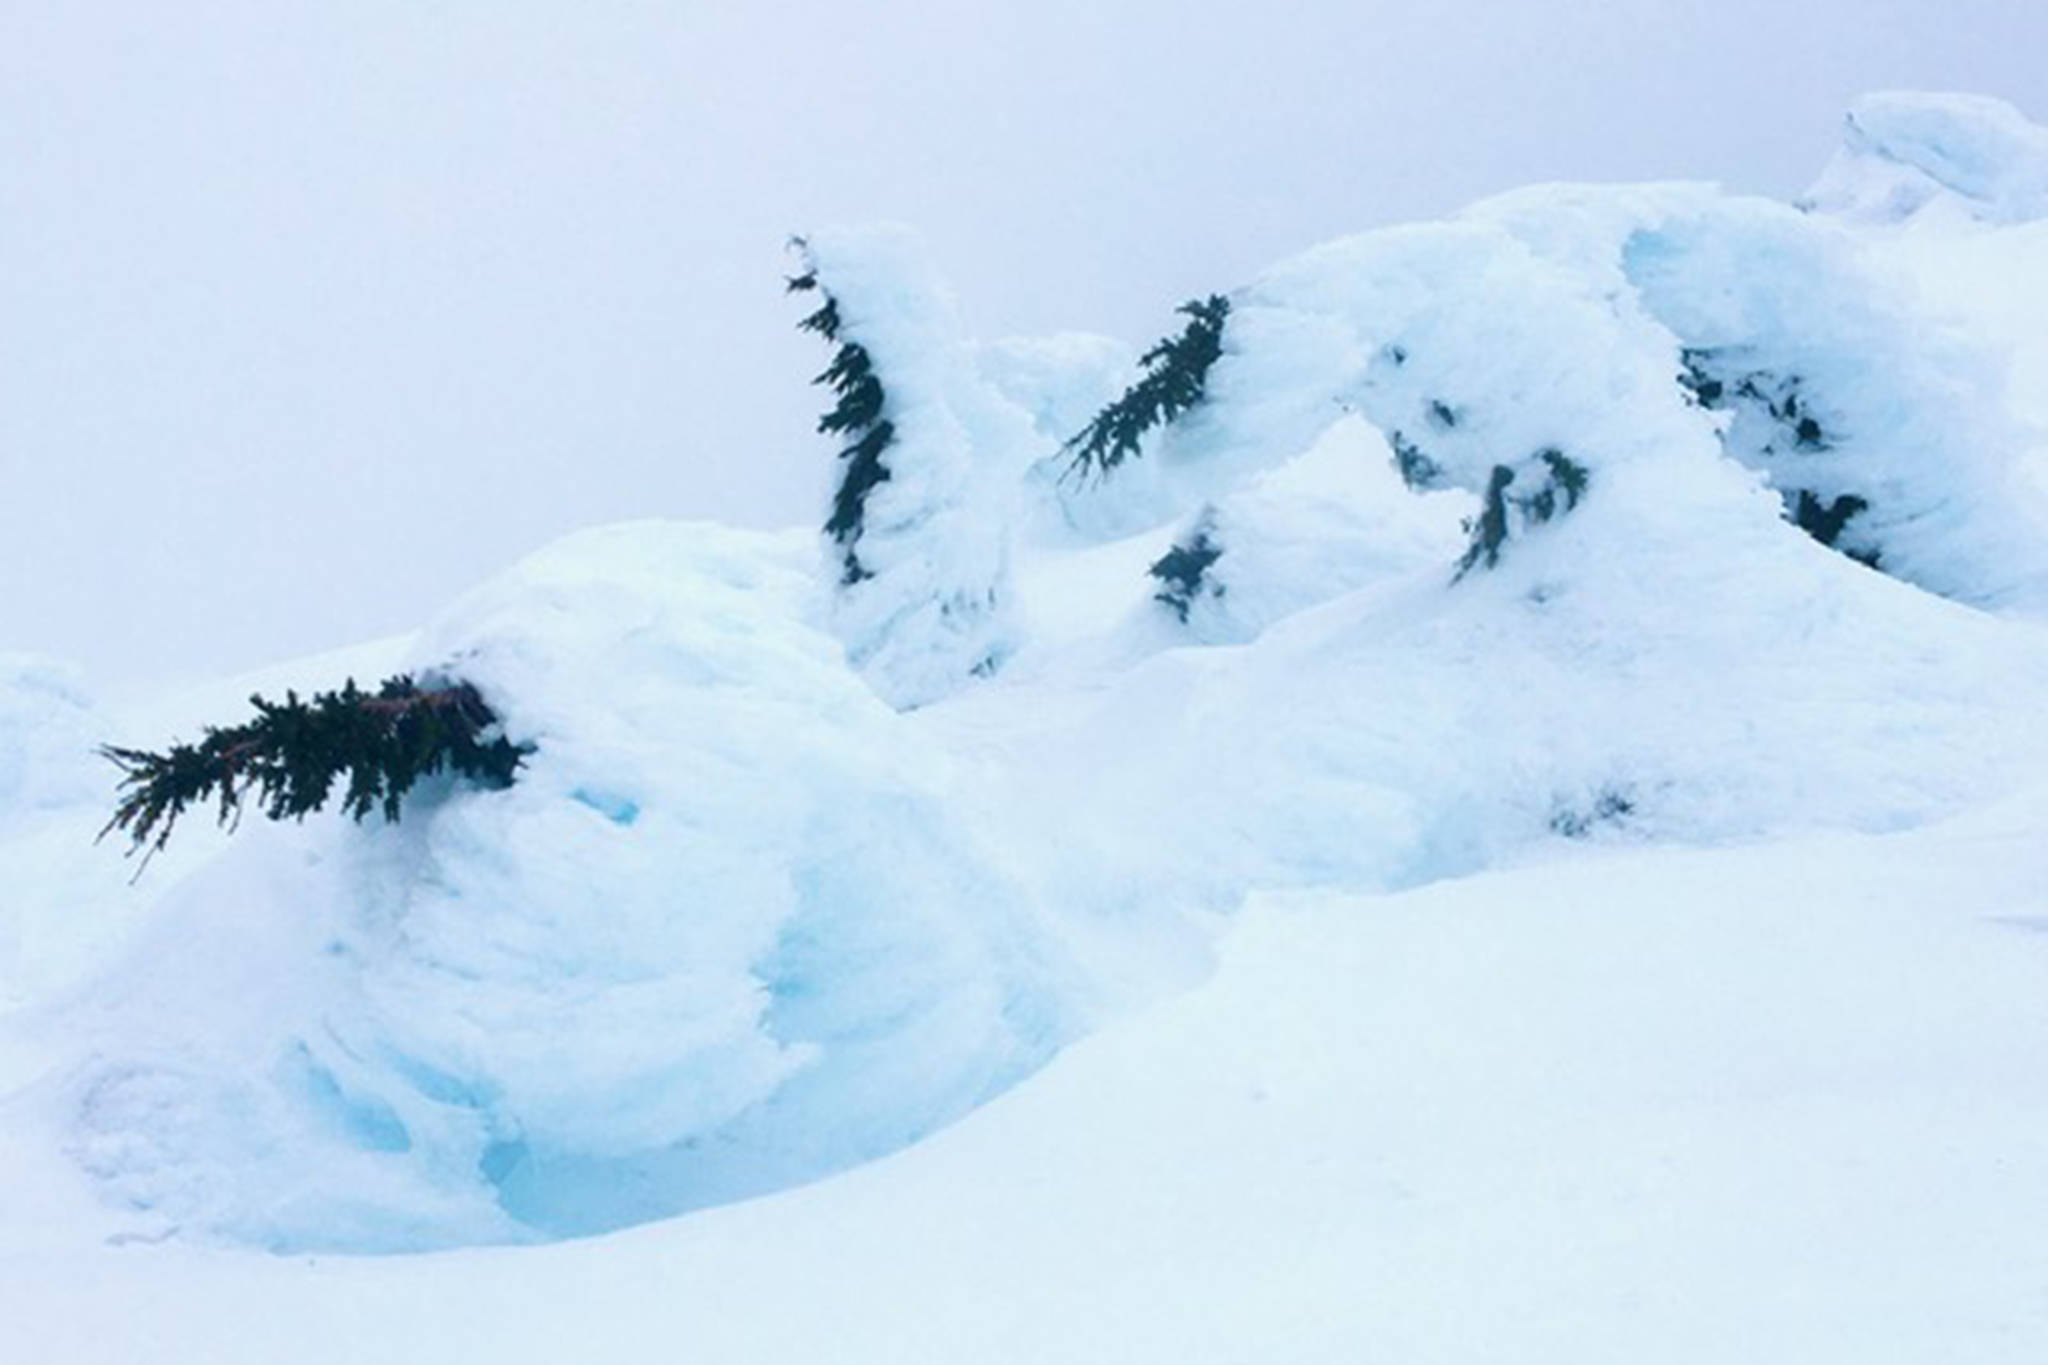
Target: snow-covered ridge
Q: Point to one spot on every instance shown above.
(1593, 516)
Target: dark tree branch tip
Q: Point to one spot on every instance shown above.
(1176, 380)
(294, 750)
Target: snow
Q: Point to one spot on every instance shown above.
(1536, 901)
(1403, 1125)
(46, 728)
(1906, 151)
(722, 935)
(924, 600)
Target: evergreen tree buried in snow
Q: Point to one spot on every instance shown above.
(1775, 428)
(856, 417)
(918, 526)
(1501, 511)
(1177, 371)
(1183, 570)
(294, 751)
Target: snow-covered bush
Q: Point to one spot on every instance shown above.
(923, 505)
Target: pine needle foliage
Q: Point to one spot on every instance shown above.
(295, 750)
(1183, 570)
(1416, 468)
(1825, 521)
(1709, 378)
(1713, 386)
(1564, 483)
(1177, 373)
(856, 416)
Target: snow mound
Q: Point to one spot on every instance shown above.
(47, 738)
(1328, 522)
(722, 935)
(1903, 151)
(1884, 433)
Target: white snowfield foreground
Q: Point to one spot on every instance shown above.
(1618, 934)
(1779, 1103)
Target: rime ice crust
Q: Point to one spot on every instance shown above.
(1904, 151)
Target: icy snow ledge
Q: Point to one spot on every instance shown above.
(723, 935)
(1903, 150)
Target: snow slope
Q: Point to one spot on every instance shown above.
(1560, 879)
(1778, 1103)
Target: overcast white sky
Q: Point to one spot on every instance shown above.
(312, 315)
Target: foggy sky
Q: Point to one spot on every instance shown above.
(312, 315)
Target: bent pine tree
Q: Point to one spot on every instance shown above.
(1177, 375)
(856, 416)
(294, 750)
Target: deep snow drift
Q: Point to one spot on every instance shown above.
(1590, 524)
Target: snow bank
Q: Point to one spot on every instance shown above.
(47, 738)
(1905, 151)
(723, 935)
(55, 794)
(1777, 1104)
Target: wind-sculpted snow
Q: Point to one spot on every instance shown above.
(724, 934)
(1903, 151)
(1593, 516)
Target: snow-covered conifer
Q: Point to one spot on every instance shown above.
(1176, 374)
(1329, 521)
(1183, 571)
(1486, 369)
(1884, 437)
(919, 519)
(294, 750)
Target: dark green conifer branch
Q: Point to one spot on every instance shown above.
(1177, 372)
(294, 750)
(1825, 521)
(1564, 482)
(1782, 400)
(1417, 469)
(1183, 570)
(857, 416)
(1712, 381)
